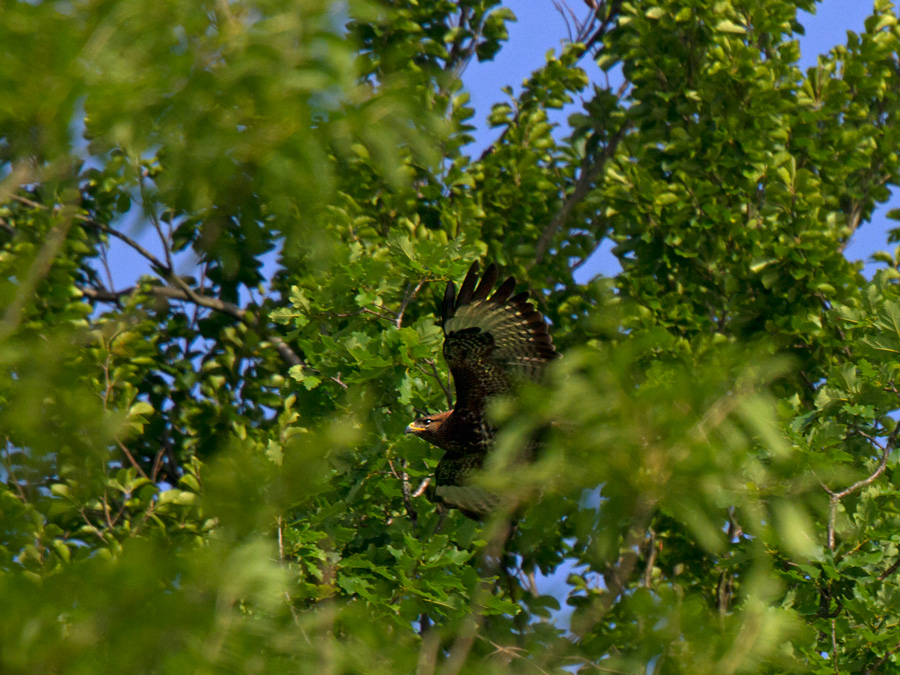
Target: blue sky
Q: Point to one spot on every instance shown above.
(540, 27)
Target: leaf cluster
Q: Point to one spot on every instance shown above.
(203, 464)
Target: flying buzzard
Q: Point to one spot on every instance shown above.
(490, 344)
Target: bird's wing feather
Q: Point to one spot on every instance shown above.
(492, 341)
(472, 500)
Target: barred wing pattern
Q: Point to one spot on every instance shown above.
(492, 342)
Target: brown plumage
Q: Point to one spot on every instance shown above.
(491, 342)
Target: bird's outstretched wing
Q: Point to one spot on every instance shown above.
(492, 341)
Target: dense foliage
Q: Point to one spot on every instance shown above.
(224, 230)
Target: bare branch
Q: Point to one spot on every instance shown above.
(407, 298)
(407, 495)
(576, 266)
(506, 653)
(651, 559)
(207, 301)
(437, 376)
(156, 262)
(165, 270)
(612, 14)
(157, 462)
(866, 481)
(131, 459)
(287, 354)
(150, 210)
(422, 487)
(561, 8)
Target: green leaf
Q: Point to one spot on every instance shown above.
(727, 26)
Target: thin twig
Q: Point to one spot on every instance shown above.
(284, 350)
(419, 491)
(103, 228)
(154, 219)
(651, 559)
(407, 298)
(562, 12)
(131, 459)
(407, 494)
(834, 648)
(836, 497)
(878, 664)
(157, 463)
(102, 295)
(889, 571)
(104, 260)
(575, 267)
(614, 8)
(186, 292)
(106, 516)
(437, 376)
(509, 653)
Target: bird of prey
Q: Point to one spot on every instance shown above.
(491, 342)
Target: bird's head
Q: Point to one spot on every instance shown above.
(429, 427)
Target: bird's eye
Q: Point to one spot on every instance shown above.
(426, 422)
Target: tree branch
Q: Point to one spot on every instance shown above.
(131, 458)
(407, 298)
(614, 8)
(422, 487)
(889, 571)
(284, 350)
(181, 292)
(406, 491)
(583, 186)
(103, 295)
(618, 575)
(880, 662)
(437, 376)
(652, 550)
(836, 497)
